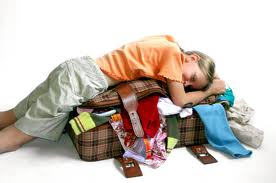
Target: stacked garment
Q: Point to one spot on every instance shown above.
(218, 132)
(152, 149)
(157, 116)
(240, 120)
(239, 115)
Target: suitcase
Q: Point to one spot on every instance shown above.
(102, 142)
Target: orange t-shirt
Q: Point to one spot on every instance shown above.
(156, 57)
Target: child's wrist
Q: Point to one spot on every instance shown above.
(208, 92)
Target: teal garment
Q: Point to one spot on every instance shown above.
(228, 96)
(218, 132)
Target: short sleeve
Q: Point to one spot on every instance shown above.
(169, 38)
(171, 66)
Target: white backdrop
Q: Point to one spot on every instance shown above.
(35, 36)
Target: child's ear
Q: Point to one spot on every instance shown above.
(192, 58)
(195, 57)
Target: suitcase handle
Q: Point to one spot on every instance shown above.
(130, 103)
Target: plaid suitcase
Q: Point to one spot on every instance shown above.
(102, 142)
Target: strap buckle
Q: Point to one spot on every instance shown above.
(202, 154)
(130, 103)
(130, 166)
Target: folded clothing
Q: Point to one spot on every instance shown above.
(148, 113)
(240, 112)
(150, 151)
(86, 121)
(228, 96)
(247, 134)
(218, 132)
(173, 132)
(166, 107)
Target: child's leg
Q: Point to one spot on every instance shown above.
(44, 113)
(7, 118)
(11, 139)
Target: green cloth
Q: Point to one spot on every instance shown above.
(173, 132)
(86, 121)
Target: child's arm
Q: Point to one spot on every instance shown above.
(181, 98)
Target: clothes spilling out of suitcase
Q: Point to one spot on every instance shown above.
(136, 122)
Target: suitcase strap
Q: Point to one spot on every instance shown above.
(202, 154)
(130, 103)
(130, 166)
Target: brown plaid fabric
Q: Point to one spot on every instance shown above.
(102, 142)
(142, 88)
(97, 144)
(191, 131)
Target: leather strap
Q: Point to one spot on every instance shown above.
(202, 154)
(130, 103)
(130, 166)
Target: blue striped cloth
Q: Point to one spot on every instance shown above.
(218, 132)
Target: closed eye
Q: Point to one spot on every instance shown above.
(193, 78)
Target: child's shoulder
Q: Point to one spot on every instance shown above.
(164, 37)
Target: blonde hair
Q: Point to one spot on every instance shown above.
(205, 63)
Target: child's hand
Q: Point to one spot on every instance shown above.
(216, 76)
(217, 87)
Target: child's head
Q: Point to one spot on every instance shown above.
(201, 69)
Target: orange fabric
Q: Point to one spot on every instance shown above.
(148, 148)
(156, 57)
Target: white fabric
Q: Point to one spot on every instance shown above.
(239, 117)
(240, 112)
(247, 134)
(166, 107)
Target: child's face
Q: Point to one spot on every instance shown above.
(192, 75)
